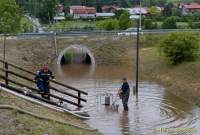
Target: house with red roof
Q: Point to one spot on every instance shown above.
(190, 8)
(83, 12)
(109, 9)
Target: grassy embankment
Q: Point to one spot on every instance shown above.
(16, 123)
(182, 80)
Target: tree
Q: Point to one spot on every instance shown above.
(180, 47)
(10, 15)
(196, 16)
(176, 12)
(154, 11)
(124, 21)
(47, 10)
(118, 13)
(168, 9)
(169, 23)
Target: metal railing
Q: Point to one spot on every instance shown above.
(10, 76)
(97, 32)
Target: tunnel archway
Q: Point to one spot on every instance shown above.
(76, 56)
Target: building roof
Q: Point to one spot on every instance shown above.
(107, 8)
(105, 14)
(59, 18)
(83, 10)
(136, 10)
(192, 6)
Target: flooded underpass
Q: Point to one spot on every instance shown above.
(155, 111)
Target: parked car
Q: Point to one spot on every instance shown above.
(129, 31)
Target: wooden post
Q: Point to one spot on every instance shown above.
(4, 47)
(55, 43)
(79, 101)
(6, 73)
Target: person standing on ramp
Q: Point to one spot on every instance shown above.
(124, 93)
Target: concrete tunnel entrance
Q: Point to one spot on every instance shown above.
(77, 59)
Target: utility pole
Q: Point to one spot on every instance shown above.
(140, 13)
(137, 56)
(135, 88)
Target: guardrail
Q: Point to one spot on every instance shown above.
(98, 32)
(10, 74)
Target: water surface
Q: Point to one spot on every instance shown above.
(153, 109)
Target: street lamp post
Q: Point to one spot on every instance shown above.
(140, 13)
(137, 18)
(137, 56)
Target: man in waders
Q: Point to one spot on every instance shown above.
(42, 80)
(124, 93)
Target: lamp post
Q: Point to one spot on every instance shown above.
(140, 13)
(137, 18)
(137, 56)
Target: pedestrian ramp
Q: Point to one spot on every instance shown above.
(20, 82)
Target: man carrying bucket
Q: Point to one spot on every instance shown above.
(124, 93)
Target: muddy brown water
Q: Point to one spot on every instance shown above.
(154, 111)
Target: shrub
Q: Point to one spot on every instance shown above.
(118, 13)
(26, 25)
(169, 23)
(180, 47)
(194, 25)
(108, 24)
(124, 21)
(148, 24)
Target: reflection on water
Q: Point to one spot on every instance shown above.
(155, 108)
(76, 70)
(124, 122)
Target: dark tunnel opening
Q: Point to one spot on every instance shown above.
(76, 62)
(75, 58)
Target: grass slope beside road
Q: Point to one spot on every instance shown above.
(183, 80)
(15, 123)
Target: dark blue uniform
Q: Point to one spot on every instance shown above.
(125, 94)
(42, 79)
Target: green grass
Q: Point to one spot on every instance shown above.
(180, 25)
(23, 124)
(76, 24)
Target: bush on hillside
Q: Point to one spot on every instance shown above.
(194, 25)
(180, 47)
(108, 24)
(169, 23)
(125, 21)
(26, 25)
(148, 24)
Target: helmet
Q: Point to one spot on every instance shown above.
(46, 67)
